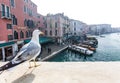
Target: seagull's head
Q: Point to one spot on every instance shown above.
(37, 32)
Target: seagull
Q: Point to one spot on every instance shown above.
(27, 53)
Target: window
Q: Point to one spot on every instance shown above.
(21, 34)
(15, 35)
(25, 9)
(28, 10)
(12, 2)
(46, 25)
(25, 22)
(9, 26)
(26, 1)
(50, 32)
(74, 33)
(56, 32)
(74, 23)
(55, 24)
(27, 34)
(38, 16)
(3, 10)
(8, 11)
(46, 32)
(50, 25)
(14, 20)
(74, 29)
(30, 24)
(38, 21)
(10, 37)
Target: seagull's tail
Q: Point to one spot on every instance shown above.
(8, 65)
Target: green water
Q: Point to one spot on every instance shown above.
(108, 50)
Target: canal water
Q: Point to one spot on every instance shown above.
(108, 50)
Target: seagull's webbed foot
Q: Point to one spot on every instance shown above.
(35, 65)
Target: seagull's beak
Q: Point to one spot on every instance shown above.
(41, 33)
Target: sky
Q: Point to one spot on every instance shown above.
(88, 11)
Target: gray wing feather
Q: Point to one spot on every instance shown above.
(30, 51)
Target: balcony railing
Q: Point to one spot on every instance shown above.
(5, 15)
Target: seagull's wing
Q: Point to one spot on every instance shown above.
(22, 50)
(27, 52)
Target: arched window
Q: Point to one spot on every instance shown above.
(30, 24)
(14, 21)
(21, 34)
(25, 22)
(27, 34)
(15, 35)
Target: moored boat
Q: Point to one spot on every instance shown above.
(87, 46)
(81, 49)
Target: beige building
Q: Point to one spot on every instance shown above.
(56, 26)
(77, 27)
(100, 29)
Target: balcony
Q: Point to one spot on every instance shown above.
(5, 15)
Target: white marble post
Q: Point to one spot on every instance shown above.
(14, 49)
(3, 53)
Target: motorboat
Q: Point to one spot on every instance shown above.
(81, 50)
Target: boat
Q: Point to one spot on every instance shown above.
(87, 46)
(91, 41)
(81, 49)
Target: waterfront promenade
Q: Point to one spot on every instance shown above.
(53, 47)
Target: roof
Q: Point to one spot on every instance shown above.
(6, 44)
(42, 40)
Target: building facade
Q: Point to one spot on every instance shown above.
(5, 21)
(57, 26)
(18, 18)
(78, 28)
(100, 29)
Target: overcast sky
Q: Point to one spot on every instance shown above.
(88, 11)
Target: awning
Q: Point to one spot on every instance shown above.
(42, 40)
(6, 44)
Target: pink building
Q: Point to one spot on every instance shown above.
(5, 21)
(24, 15)
(18, 18)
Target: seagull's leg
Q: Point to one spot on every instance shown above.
(35, 65)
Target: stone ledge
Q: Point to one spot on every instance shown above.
(63, 72)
